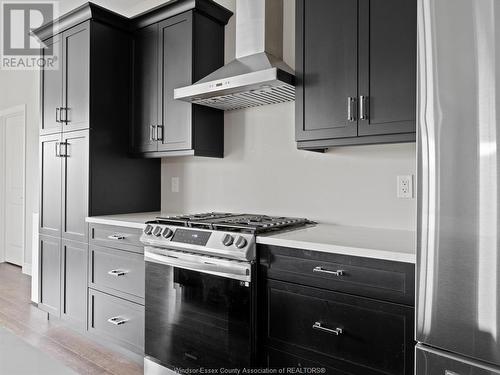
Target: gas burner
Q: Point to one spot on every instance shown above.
(185, 220)
(247, 223)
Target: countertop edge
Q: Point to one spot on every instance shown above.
(118, 223)
(338, 249)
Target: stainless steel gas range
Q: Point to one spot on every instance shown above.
(200, 290)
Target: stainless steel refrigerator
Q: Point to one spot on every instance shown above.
(458, 261)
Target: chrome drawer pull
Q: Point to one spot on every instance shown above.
(319, 327)
(321, 269)
(118, 320)
(117, 272)
(117, 237)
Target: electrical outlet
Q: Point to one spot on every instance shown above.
(405, 187)
(175, 184)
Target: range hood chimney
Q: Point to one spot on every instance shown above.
(258, 75)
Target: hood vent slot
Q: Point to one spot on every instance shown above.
(248, 99)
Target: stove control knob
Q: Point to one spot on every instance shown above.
(157, 231)
(228, 240)
(167, 233)
(240, 242)
(148, 229)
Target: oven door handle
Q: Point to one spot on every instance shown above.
(225, 268)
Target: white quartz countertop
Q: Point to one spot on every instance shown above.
(135, 220)
(388, 244)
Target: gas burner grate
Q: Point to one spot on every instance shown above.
(248, 223)
(186, 220)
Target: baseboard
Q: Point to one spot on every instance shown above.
(27, 268)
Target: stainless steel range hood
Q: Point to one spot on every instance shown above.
(258, 75)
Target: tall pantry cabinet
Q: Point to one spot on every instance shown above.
(85, 168)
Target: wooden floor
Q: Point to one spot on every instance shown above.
(74, 350)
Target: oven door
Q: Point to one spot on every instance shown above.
(198, 311)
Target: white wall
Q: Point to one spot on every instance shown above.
(263, 172)
(21, 87)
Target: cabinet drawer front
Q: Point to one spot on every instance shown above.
(116, 237)
(375, 335)
(277, 359)
(374, 278)
(117, 320)
(116, 270)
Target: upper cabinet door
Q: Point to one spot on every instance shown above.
(51, 88)
(387, 66)
(50, 185)
(175, 70)
(76, 72)
(75, 207)
(326, 69)
(146, 89)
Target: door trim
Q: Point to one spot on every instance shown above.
(5, 114)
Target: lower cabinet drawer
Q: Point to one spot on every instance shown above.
(378, 336)
(116, 270)
(116, 237)
(116, 319)
(276, 359)
(373, 278)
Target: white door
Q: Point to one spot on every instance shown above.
(14, 187)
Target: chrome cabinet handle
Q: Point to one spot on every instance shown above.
(190, 356)
(117, 237)
(58, 149)
(363, 107)
(58, 114)
(321, 269)
(118, 320)
(65, 154)
(117, 272)
(319, 327)
(152, 131)
(159, 133)
(350, 109)
(65, 109)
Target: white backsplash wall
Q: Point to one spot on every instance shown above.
(263, 172)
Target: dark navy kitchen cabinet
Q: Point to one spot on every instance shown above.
(356, 72)
(175, 47)
(85, 166)
(346, 314)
